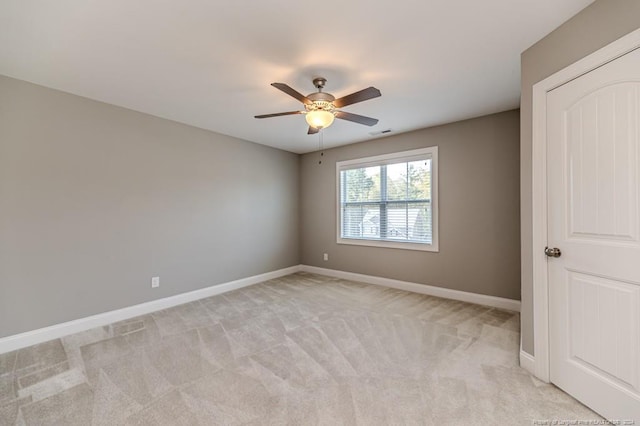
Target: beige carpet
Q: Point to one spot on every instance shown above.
(303, 349)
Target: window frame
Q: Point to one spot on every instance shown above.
(392, 158)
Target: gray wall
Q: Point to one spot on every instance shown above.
(96, 199)
(479, 209)
(596, 26)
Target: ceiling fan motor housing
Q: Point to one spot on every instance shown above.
(321, 96)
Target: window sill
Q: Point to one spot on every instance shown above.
(389, 244)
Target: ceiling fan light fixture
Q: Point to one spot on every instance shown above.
(319, 119)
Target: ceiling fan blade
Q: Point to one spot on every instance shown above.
(362, 95)
(361, 119)
(292, 92)
(278, 114)
(312, 131)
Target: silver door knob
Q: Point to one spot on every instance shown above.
(552, 252)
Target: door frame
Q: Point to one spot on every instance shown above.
(602, 56)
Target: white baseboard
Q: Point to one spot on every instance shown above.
(28, 338)
(463, 296)
(18, 341)
(528, 362)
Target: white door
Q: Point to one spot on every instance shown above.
(593, 186)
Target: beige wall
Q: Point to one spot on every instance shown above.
(596, 26)
(479, 209)
(96, 199)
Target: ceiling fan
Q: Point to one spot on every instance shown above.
(321, 108)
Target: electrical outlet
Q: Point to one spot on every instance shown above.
(155, 282)
(326, 256)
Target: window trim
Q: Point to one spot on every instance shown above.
(395, 157)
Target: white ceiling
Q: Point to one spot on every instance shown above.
(209, 63)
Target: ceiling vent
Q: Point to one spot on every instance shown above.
(381, 132)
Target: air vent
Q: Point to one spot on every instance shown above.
(380, 132)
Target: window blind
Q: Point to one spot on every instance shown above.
(387, 201)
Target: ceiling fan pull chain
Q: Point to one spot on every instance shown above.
(321, 144)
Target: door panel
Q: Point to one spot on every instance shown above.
(596, 306)
(604, 208)
(593, 129)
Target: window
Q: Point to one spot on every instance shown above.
(389, 200)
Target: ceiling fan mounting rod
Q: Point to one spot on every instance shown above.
(319, 82)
